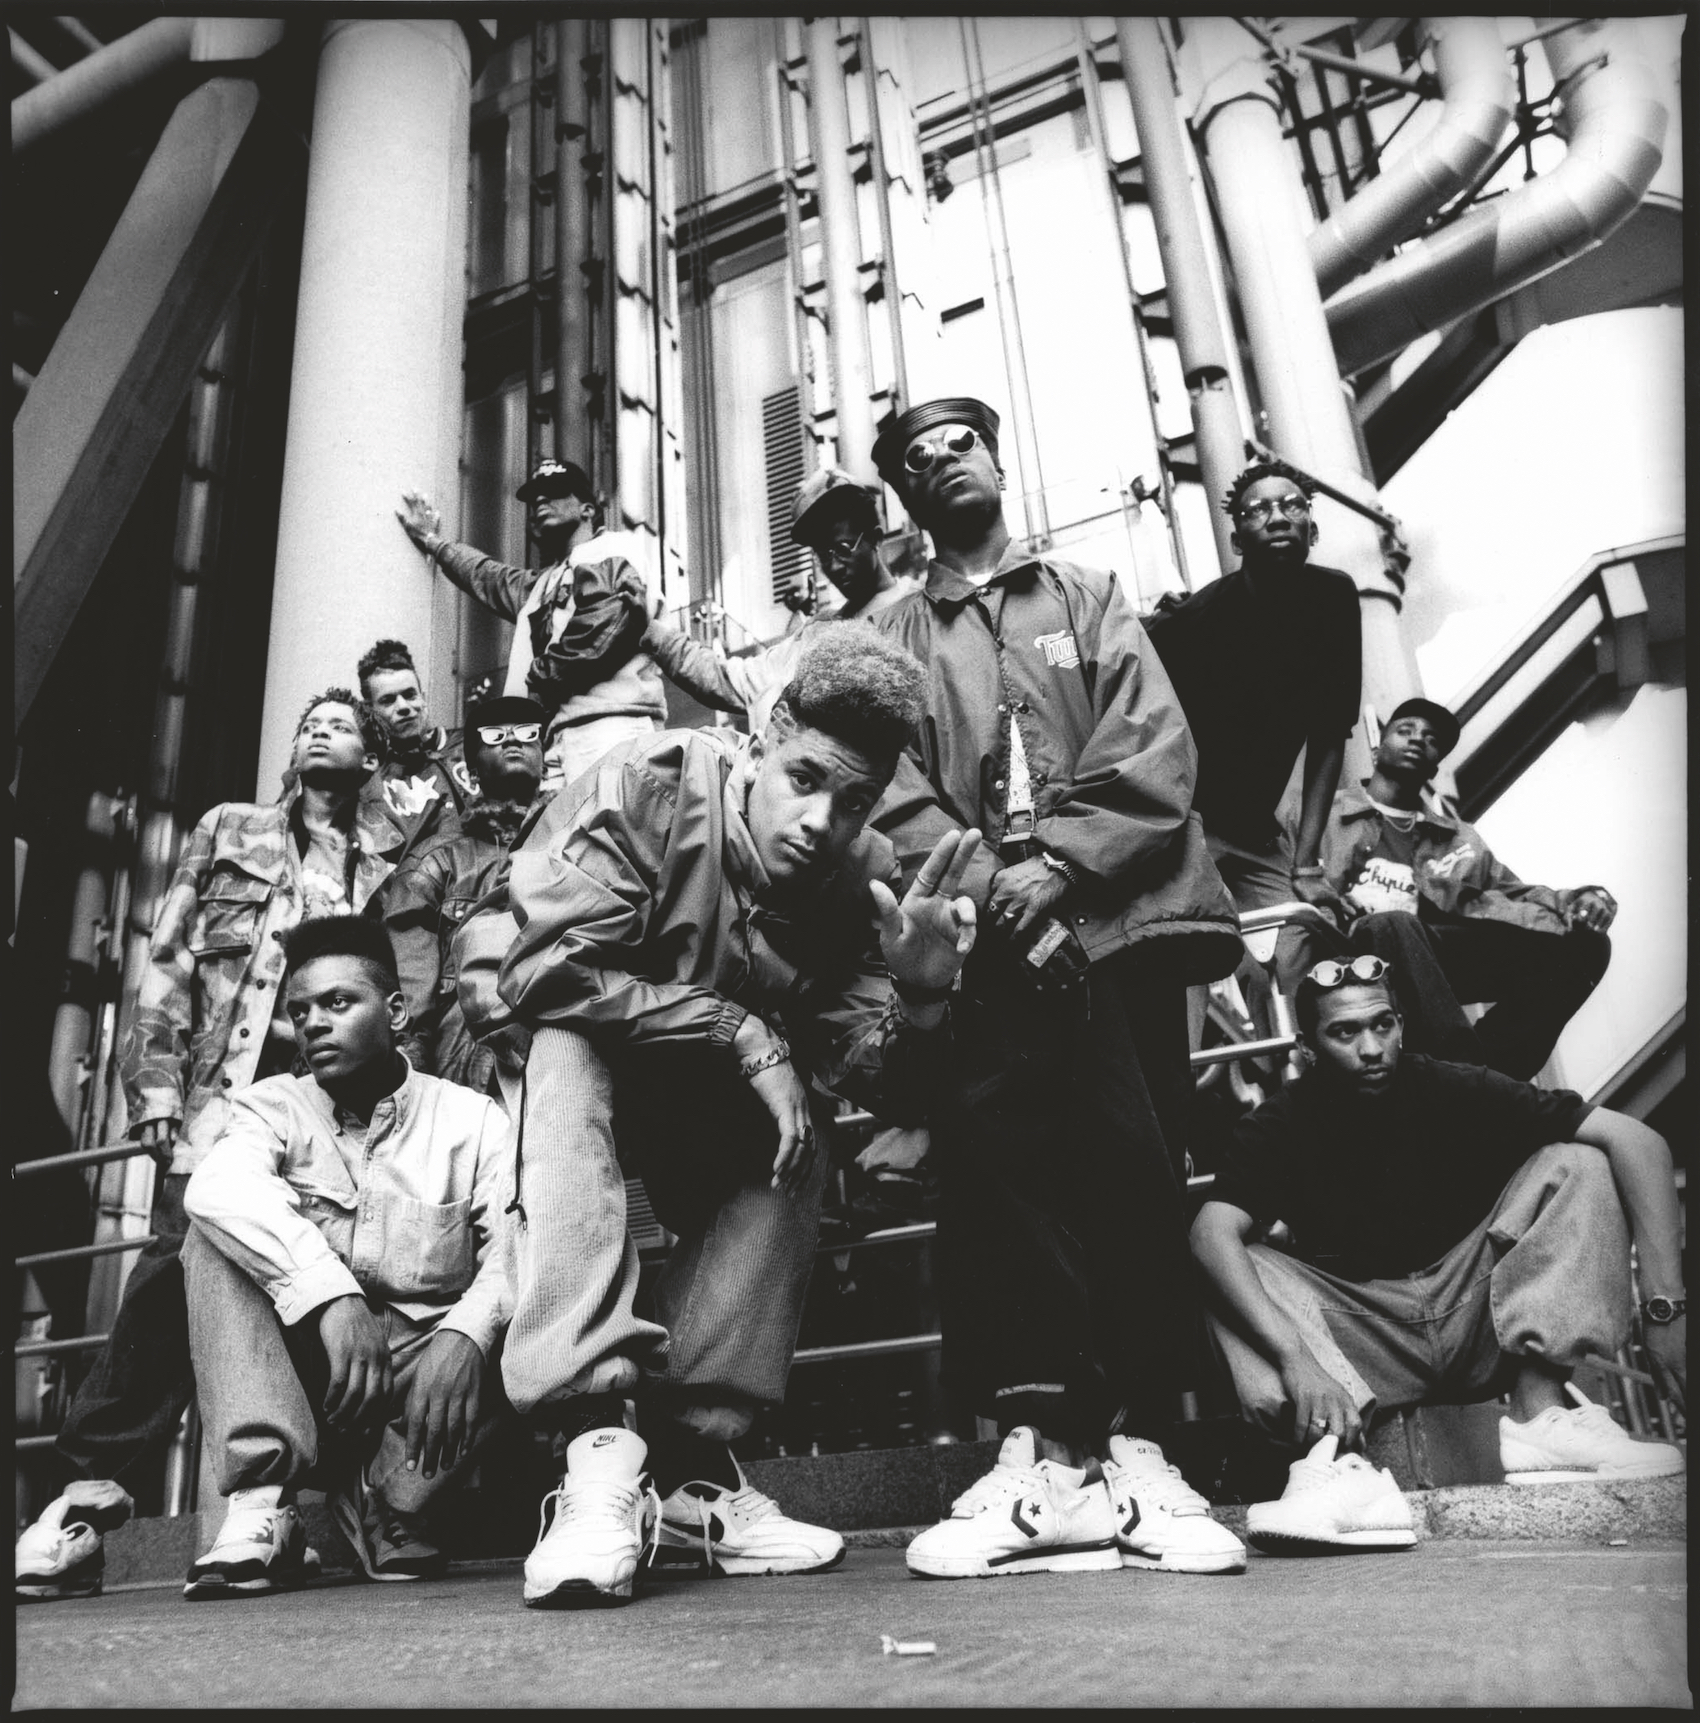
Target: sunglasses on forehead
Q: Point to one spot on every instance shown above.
(1330, 973)
(958, 439)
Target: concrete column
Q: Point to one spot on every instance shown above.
(835, 195)
(375, 403)
(1260, 197)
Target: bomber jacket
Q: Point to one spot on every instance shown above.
(542, 602)
(1457, 874)
(207, 994)
(638, 912)
(1109, 754)
(424, 905)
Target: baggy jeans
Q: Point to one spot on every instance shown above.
(729, 1299)
(261, 1386)
(1546, 1273)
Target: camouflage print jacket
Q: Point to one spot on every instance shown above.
(210, 986)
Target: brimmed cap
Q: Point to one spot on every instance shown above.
(1446, 726)
(899, 429)
(504, 709)
(808, 508)
(552, 478)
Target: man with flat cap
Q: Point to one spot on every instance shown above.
(838, 518)
(431, 895)
(1070, 1314)
(578, 620)
(1428, 894)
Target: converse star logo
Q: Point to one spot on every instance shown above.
(1059, 649)
(1020, 1521)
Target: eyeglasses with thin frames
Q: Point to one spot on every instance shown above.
(1259, 509)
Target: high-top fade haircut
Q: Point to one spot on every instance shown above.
(384, 655)
(1265, 469)
(344, 936)
(371, 731)
(854, 684)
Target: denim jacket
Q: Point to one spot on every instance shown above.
(216, 959)
(408, 1212)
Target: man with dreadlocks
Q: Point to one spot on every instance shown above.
(1266, 661)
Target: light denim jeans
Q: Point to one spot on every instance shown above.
(261, 1386)
(1546, 1272)
(729, 1300)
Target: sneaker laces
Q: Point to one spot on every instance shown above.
(248, 1523)
(746, 1502)
(1165, 1489)
(588, 1501)
(996, 1487)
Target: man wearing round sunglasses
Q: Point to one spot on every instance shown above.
(1066, 1289)
(1450, 1235)
(1428, 894)
(430, 897)
(1266, 661)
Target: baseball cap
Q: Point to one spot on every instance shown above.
(552, 478)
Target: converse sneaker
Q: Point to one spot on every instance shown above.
(605, 1523)
(742, 1531)
(1162, 1522)
(62, 1554)
(261, 1547)
(388, 1544)
(1332, 1504)
(1565, 1444)
(1026, 1515)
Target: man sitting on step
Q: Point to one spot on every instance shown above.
(347, 1282)
(699, 928)
(1451, 1234)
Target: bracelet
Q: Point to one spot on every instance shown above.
(911, 995)
(1057, 865)
(1317, 872)
(777, 1054)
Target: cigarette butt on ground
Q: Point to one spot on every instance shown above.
(906, 1647)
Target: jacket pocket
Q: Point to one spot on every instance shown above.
(434, 1250)
(229, 915)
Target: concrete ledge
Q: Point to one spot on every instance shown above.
(840, 1489)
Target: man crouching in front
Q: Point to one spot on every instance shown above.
(346, 1281)
(694, 929)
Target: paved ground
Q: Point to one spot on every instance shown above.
(1453, 1622)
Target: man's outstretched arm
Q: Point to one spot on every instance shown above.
(1219, 1243)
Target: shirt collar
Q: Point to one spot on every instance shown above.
(399, 1102)
(1355, 804)
(1017, 567)
(744, 862)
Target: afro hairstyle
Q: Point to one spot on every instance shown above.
(854, 684)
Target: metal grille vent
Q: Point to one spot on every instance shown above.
(782, 444)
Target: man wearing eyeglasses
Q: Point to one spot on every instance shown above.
(1451, 1235)
(1428, 894)
(426, 901)
(1065, 1283)
(1266, 662)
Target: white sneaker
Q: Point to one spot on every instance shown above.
(606, 1520)
(260, 1548)
(1565, 1444)
(1330, 1504)
(63, 1554)
(1026, 1515)
(1162, 1522)
(742, 1531)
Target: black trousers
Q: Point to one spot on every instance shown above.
(127, 1409)
(1066, 1284)
(1537, 981)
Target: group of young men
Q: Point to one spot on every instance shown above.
(406, 1031)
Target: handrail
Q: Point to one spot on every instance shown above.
(868, 1349)
(1424, 85)
(42, 1348)
(112, 1247)
(82, 1158)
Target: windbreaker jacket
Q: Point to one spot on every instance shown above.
(634, 912)
(408, 1210)
(216, 959)
(427, 803)
(1108, 750)
(541, 602)
(1457, 874)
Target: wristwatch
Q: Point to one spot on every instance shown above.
(1663, 1311)
(1057, 865)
